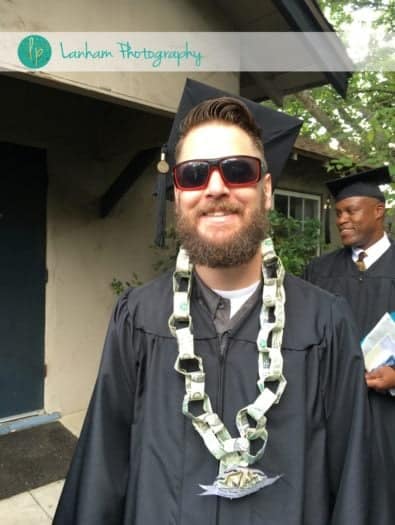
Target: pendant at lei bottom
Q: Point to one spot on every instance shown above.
(237, 482)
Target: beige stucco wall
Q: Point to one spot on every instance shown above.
(158, 90)
(84, 253)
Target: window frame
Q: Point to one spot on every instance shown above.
(303, 196)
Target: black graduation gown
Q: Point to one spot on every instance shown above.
(140, 462)
(370, 294)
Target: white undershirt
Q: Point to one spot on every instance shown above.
(374, 252)
(237, 297)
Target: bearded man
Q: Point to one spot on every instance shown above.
(222, 395)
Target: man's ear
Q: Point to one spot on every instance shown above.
(267, 191)
(380, 210)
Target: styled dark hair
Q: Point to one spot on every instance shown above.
(228, 110)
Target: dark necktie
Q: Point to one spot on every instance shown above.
(359, 262)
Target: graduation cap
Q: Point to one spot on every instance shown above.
(363, 184)
(278, 132)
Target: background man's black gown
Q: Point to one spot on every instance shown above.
(370, 294)
(140, 462)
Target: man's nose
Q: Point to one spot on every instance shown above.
(216, 185)
(341, 218)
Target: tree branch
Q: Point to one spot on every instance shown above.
(333, 128)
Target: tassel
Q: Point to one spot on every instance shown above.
(163, 170)
(327, 223)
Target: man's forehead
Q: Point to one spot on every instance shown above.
(216, 139)
(357, 201)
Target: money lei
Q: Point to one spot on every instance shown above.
(235, 478)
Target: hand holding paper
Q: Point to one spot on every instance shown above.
(379, 354)
(382, 378)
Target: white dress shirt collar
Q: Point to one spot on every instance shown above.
(374, 252)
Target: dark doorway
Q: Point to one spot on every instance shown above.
(23, 188)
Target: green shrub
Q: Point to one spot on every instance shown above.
(296, 241)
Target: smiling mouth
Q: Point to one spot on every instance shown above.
(218, 213)
(222, 217)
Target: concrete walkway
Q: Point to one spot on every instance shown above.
(37, 507)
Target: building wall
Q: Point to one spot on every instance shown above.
(303, 174)
(88, 144)
(152, 90)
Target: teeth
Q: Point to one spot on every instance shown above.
(218, 214)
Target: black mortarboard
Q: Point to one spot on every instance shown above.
(279, 132)
(363, 184)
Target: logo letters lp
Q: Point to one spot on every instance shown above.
(34, 51)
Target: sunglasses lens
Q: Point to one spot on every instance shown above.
(191, 174)
(242, 170)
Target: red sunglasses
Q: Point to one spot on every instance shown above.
(236, 171)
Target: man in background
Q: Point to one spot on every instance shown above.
(363, 272)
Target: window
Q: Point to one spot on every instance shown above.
(300, 206)
(304, 240)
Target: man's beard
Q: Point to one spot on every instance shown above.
(238, 249)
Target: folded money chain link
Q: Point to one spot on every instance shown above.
(233, 454)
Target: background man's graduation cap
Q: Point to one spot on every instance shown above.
(363, 184)
(278, 130)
